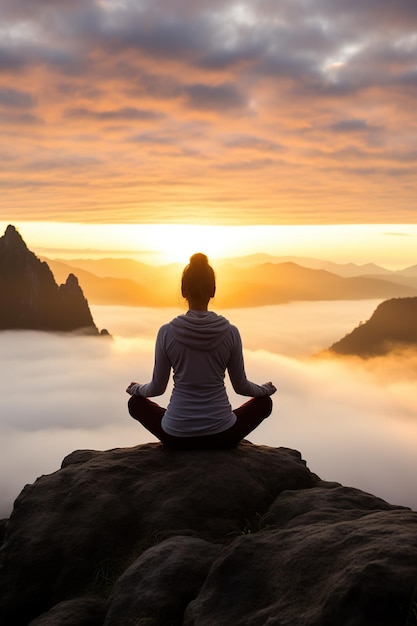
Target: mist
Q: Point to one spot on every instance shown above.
(354, 421)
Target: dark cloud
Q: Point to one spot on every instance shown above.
(156, 138)
(27, 56)
(220, 98)
(66, 163)
(248, 166)
(250, 142)
(20, 119)
(247, 54)
(364, 13)
(166, 38)
(11, 59)
(127, 114)
(12, 98)
(22, 9)
(353, 126)
(409, 78)
(222, 29)
(281, 40)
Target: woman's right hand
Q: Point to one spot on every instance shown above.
(129, 389)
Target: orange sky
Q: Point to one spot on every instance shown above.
(213, 112)
(392, 246)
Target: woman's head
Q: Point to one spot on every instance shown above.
(198, 282)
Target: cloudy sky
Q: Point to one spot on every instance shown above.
(268, 111)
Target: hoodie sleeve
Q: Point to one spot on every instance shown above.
(161, 370)
(236, 370)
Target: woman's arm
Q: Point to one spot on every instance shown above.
(237, 374)
(161, 372)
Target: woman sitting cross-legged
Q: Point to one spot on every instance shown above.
(199, 347)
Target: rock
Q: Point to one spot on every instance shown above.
(30, 297)
(333, 503)
(3, 525)
(355, 573)
(393, 325)
(87, 611)
(74, 310)
(155, 537)
(160, 595)
(83, 524)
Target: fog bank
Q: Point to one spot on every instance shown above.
(353, 421)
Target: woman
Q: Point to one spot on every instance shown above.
(199, 347)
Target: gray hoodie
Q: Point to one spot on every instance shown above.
(199, 347)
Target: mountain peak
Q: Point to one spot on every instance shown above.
(12, 239)
(392, 325)
(30, 297)
(72, 281)
(11, 231)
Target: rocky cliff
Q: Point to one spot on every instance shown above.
(392, 325)
(249, 536)
(31, 299)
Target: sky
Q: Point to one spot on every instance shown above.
(212, 112)
(392, 246)
(353, 421)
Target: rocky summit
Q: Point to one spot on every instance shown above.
(147, 536)
(392, 326)
(31, 299)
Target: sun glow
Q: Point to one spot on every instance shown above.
(156, 243)
(390, 245)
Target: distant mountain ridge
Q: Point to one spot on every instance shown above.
(392, 325)
(348, 270)
(31, 299)
(240, 283)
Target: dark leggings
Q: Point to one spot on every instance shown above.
(249, 416)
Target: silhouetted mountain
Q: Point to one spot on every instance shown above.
(31, 299)
(392, 325)
(237, 286)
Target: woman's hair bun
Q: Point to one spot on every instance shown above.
(198, 259)
(198, 280)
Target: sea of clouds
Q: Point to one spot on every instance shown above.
(354, 421)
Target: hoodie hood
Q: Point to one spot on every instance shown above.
(200, 330)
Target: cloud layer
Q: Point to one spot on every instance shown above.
(353, 422)
(252, 112)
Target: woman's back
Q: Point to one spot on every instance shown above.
(199, 347)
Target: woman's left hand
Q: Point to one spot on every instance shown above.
(129, 389)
